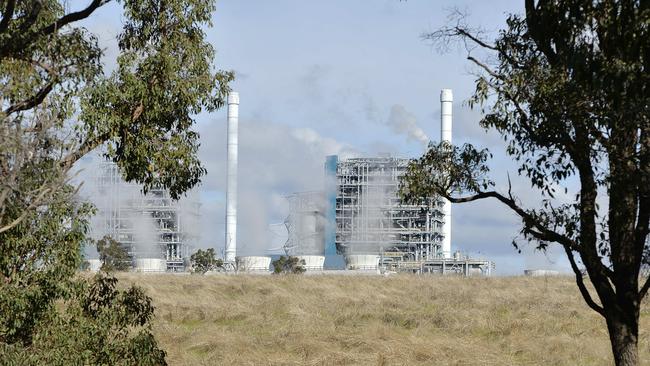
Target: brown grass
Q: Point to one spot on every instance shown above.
(400, 320)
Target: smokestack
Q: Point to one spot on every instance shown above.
(231, 189)
(446, 100)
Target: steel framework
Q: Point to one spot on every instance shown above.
(371, 218)
(306, 224)
(148, 226)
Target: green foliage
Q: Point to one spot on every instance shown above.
(38, 258)
(204, 261)
(446, 168)
(145, 109)
(113, 256)
(97, 325)
(566, 86)
(288, 264)
(47, 316)
(58, 105)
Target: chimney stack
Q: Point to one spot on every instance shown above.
(231, 189)
(446, 100)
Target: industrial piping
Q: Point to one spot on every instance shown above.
(231, 189)
(446, 100)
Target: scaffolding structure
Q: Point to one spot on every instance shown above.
(457, 265)
(371, 218)
(147, 226)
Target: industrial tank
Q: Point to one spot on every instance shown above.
(150, 265)
(253, 263)
(312, 262)
(540, 272)
(362, 261)
(94, 265)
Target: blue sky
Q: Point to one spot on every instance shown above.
(322, 77)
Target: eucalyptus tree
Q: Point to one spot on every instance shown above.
(567, 86)
(204, 260)
(113, 255)
(57, 104)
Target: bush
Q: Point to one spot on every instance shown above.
(288, 264)
(112, 255)
(204, 261)
(96, 325)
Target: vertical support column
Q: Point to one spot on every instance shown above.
(446, 101)
(331, 188)
(231, 189)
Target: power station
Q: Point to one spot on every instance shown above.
(361, 217)
(358, 217)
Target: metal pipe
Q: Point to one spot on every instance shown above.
(446, 100)
(231, 188)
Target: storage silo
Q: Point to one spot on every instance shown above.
(149, 265)
(254, 263)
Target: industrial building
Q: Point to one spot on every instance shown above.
(361, 217)
(371, 220)
(157, 231)
(358, 216)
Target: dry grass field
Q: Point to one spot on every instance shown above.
(399, 320)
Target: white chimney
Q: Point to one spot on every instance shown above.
(231, 189)
(446, 100)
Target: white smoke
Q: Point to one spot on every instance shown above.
(274, 160)
(116, 198)
(404, 122)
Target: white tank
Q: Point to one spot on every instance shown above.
(362, 261)
(540, 272)
(94, 265)
(150, 265)
(253, 263)
(313, 262)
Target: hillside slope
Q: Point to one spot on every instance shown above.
(400, 320)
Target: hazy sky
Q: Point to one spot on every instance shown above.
(342, 77)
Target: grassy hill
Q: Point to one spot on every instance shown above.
(399, 320)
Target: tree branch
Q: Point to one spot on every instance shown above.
(7, 14)
(484, 67)
(537, 31)
(475, 39)
(72, 17)
(644, 289)
(31, 102)
(85, 148)
(581, 284)
(35, 202)
(529, 220)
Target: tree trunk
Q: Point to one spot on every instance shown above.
(623, 335)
